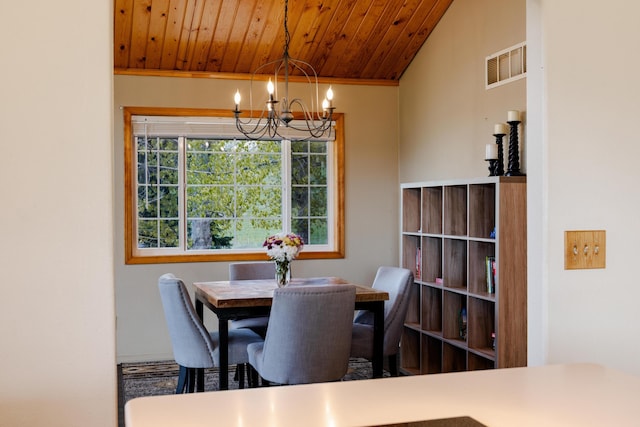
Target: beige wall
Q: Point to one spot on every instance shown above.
(446, 114)
(585, 113)
(371, 193)
(56, 225)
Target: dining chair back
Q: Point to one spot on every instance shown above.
(194, 348)
(309, 335)
(258, 270)
(397, 283)
(252, 270)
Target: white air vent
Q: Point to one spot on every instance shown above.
(506, 66)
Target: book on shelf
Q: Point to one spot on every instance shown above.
(418, 272)
(491, 274)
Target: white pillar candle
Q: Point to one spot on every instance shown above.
(513, 116)
(491, 152)
(500, 129)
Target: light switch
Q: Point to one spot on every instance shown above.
(584, 249)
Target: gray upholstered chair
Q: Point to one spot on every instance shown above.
(252, 271)
(194, 348)
(397, 282)
(308, 337)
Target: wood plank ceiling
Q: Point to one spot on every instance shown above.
(365, 40)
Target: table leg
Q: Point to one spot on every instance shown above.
(223, 331)
(200, 309)
(199, 376)
(378, 338)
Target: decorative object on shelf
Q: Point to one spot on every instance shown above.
(418, 273)
(513, 118)
(491, 156)
(273, 116)
(283, 248)
(499, 131)
(490, 266)
(462, 324)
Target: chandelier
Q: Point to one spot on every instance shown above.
(277, 114)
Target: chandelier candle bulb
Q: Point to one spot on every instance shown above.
(500, 129)
(513, 116)
(491, 152)
(237, 98)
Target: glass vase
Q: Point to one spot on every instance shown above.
(283, 273)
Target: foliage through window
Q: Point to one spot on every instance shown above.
(198, 192)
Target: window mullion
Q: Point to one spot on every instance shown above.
(286, 185)
(182, 192)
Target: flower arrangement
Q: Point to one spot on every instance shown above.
(283, 248)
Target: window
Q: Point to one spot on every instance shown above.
(198, 190)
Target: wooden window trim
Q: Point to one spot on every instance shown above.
(130, 239)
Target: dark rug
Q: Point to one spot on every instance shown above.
(160, 378)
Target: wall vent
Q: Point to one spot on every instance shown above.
(506, 66)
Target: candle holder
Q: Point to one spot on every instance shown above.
(493, 167)
(500, 161)
(513, 168)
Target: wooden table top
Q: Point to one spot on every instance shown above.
(259, 293)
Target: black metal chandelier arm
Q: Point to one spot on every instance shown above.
(252, 129)
(310, 116)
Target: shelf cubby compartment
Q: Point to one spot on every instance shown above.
(413, 311)
(477, 362)
(478, 253)
(431, 259)
(432, 310)
(452, 305)
(482, 205)
(411, 210)
(454, 255)
(431, 355)
(410, 351)
(455, 206)
(432, 210)
(481, 321)
(454, 359)
(410, 245)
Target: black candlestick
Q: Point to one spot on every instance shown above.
(514, 152)
(493, 167)
(500, 161)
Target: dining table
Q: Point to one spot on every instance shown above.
(234, 299)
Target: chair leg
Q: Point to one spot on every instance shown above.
(393, 365)
(240, 372)
(200, 379)
(191, 380)
(182, 380)
(252, 374)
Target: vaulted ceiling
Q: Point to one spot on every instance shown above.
(366, 40)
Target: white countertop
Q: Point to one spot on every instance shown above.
(556, 395)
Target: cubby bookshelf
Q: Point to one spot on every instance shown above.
(449, 230)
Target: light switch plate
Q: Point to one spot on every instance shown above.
(584, 249)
